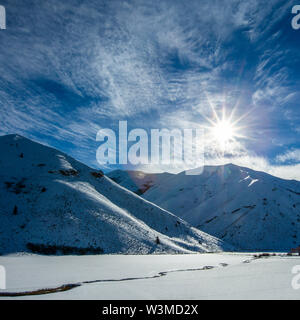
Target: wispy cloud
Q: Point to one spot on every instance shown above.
(70, 68)
(289, 156)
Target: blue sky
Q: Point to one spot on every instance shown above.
(69, 68)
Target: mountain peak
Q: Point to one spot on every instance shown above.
(251, 210)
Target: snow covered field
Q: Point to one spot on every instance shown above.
(233, 276)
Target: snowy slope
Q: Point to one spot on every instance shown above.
(51, 203)
(249, 209)
(138, 181)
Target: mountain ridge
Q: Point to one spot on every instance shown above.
(249, 209)
(53, 204)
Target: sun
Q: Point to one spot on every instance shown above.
(226, 129)
(223, 131)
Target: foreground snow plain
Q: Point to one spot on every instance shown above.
(233, 276)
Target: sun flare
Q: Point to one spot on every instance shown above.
(223, 131)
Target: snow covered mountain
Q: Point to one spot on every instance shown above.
(53, 204)
(138, 181)
(249, 209)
